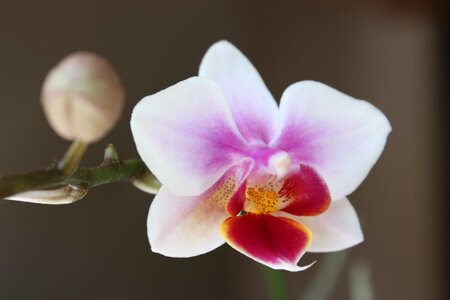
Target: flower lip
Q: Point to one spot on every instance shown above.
(300, 192)
(277, 242)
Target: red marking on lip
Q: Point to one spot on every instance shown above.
(266, 238)
(307, 191)
(236, 203)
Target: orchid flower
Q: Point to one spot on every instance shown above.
(270, 181)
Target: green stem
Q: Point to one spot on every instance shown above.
(109, 171)
(329, 268)
(71, 159)
(275, 283)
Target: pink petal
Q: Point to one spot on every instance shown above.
(274, 241)
(187, 136)
(308, 190)
(254, 108)
(184, 226)
(339, 136)
(336, 229)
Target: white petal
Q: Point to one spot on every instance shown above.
(180, 226)
(339, 136)
(186, 135)
(336, 229)
(253, 106)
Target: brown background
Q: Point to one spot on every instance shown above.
(97, 248)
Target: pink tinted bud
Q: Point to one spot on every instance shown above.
(82, 97)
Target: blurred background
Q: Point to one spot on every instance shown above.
(391, 53)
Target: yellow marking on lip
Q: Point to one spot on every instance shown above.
(261, 201)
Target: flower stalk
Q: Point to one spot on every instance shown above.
(109, 171)
(71, 159)
(275, 283)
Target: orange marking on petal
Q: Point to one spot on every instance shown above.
(223, 190)
(262, 200)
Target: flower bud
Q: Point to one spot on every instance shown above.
(82, 97)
